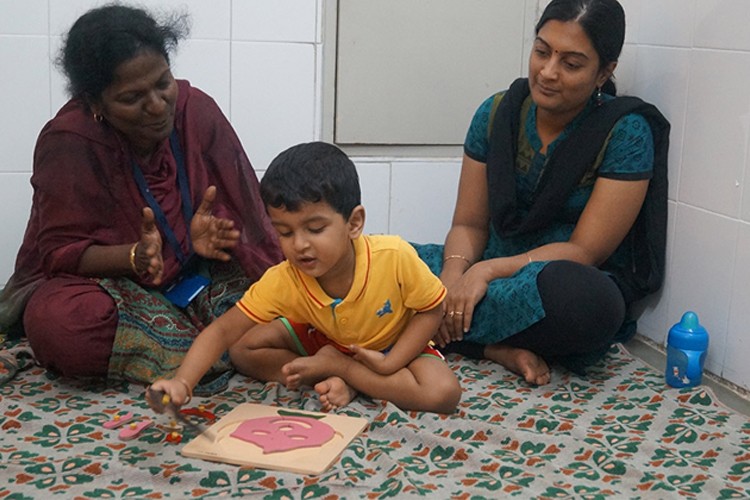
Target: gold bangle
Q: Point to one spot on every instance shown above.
(456, 257)
(133, 265)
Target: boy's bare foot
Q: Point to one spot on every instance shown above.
(334, 393)
(309, 370)
(521, 361)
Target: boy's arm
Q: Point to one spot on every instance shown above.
(207, 347)
(410, 344)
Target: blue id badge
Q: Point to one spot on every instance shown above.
(182, 292)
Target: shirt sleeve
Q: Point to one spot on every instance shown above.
(477, 143)
(261, 301)
(630, 151)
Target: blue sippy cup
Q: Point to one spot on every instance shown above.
(687, 344)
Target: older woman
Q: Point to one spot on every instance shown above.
(560, 222)
(146, 221)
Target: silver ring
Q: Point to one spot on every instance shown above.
(459, 313)
(451, 313)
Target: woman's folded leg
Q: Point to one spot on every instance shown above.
(71, 323)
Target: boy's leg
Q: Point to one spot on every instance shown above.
(426, 384)
(308, 342)
(263, 350)
(436, 387)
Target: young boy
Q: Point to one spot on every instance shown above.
(344, 313)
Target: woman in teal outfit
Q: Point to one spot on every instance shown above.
(560, 222)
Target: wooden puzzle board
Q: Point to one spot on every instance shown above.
(217, 445)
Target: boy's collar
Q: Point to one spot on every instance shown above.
(362, 265)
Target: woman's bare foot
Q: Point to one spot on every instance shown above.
(521, 361)
(334, 393)
(309, 370)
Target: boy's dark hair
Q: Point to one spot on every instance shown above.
(309, 173)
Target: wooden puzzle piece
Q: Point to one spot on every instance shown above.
(199, 412)
(173, 437)
(134, 429)
(173, 426)
(118, 420)
(162, 403)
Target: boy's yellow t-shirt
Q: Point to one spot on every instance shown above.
(391, 284)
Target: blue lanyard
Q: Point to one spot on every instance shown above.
(187, 205)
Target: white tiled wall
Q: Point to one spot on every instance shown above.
(273, 96)
(26, 98)
(737, 346)
(692, 60)
(654, 66)
(423, 195)
(375, 181)
(700, 281)
(716, 131)
(261, 61)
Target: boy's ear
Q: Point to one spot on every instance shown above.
(356, 221)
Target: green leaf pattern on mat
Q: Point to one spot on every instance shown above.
(618, 433)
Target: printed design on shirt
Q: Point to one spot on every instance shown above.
(386, 309)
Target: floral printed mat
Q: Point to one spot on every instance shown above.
(620, 433)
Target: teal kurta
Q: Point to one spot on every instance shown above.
(513, 304)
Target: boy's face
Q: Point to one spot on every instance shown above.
(317, 240)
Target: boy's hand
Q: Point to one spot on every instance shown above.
(374, 360)
(161, 402)
(442, 336)
(163, 392)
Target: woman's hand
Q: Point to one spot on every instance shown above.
(148, 257)
(459, 304)
(211, 235)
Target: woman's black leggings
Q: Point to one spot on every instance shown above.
(583, 307)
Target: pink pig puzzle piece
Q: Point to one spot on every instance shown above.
(283, 433)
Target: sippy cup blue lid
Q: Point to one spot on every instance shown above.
(688, 333)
